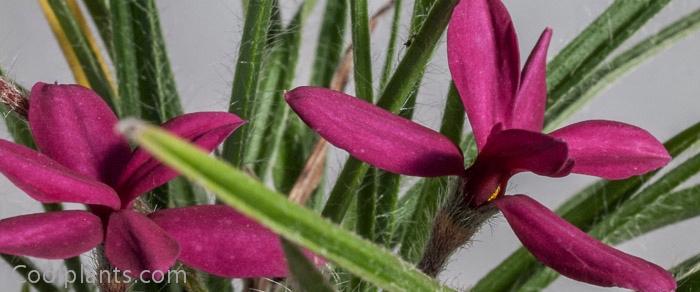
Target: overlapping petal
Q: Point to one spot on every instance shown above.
(134, 243)
(205, 129)
(612, 150)
(47, 181)
(375, 135)
(483, 56)
(75, 127)
(575, 254)
(218, 240)
(516, 150)
(527, 110)
(54, 235)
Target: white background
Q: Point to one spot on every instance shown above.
(662, 96)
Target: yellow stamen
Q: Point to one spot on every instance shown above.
(495, 193)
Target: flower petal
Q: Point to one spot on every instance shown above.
(75, 127)
(54, 235)
(134, 244)
(527, 110)
(47, 181)
(218, 240)
(375, 135)
(516, 150)
(483, 56)
(575, 254)
(205, 129)
(612, 150)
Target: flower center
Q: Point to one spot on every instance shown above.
(495, 193)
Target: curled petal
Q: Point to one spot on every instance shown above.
(612, 150)
(516, 150)
(205, 129)
(527, 110)
(483, 56)
(135, 244)
(375, 135)
(74, 126)
(575, 254)
(218, 240)
(55, 235)
(47, 181)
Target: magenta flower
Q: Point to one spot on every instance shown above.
(83, 160)
(506, 111)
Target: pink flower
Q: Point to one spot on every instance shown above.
(506, 111)
(83, 160)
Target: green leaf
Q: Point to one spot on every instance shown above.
(101, 16)
(687, 274)
(24, 266)
(245, 80)
(303, 272)
(391, 46)
(159, 97)
(399, 90)
(97, 78)
(361, 50)
(330, 43)
(124, 58)
(587, 88)
(296, 223)
(584, 209)
(592, 46)
(367, 205)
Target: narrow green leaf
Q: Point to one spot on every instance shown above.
(687, 274)
(124, 58)
(245, 80)
(592, 46)
(73, 264)
(330, 43)
(367, 205)
(101, 16)
(391, 46)
(159, 97)
(296, 223)
(87, 58)
(584, 209)
(361, 50)
(303, 272)
(24, 266)
(576, 96)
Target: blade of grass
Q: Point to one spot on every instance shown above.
(245, 80)
(362, 53)
(595, 43)
(398, 89)
(124, 57)
(100, 14)
(687, 274)
(568, 102)
(304, 273)
(391, 46)
(273, 210)
(89, 69)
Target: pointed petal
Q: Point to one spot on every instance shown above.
(47, 181)
(612, 150)
(527, 110)
(575, 254)
(375, 135)
(205, 129)
(54, 235)
(218, 240)
(134, 243)
(75, 127)
(483, 56)
(516, 150)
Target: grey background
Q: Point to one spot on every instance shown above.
(661, 96)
